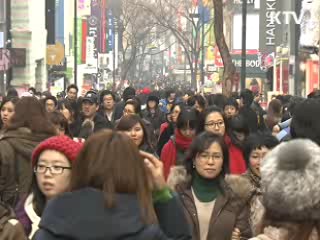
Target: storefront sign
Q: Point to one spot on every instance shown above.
(253, 64)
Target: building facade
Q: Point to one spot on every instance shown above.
(28, 31)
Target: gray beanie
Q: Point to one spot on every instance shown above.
(290, 180)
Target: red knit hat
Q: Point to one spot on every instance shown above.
(62, 144)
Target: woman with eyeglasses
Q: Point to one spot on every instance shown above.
(52, 163)
(117, 192)
(213, 121)
(173, 153)
(215, 207)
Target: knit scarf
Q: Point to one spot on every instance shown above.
(169, 151)
(182, 142)
(206, 190)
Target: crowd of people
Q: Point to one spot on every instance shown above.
(183, 166)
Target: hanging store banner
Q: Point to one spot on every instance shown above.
(59, 21)
(110, 31)
(84, 40)
(103, 29)
(79, 40)
(94, 25)
(84, 8)
(1, 39)
(90, 53)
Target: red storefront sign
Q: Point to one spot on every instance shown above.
(312, 76)
(84, 40)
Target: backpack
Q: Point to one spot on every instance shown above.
(10, 227)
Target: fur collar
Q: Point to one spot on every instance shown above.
(238, 186)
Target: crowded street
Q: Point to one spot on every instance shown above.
(159, 120)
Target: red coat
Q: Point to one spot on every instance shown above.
(237, 163)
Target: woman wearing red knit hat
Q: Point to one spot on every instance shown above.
(52, 161)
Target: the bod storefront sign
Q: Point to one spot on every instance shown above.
(252, 63)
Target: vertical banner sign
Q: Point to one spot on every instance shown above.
(59, 21)
(94, 25)
(110, 31)
(79, 40)
(103, 34)
(84, 40)
(90, 51)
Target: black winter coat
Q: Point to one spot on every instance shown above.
(86, 130)
(82, 215)
(155, 119)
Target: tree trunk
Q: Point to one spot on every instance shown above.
(229, 68)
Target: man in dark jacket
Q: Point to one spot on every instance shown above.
(246, 99)
(128, 93)
(91, 122)
(107, 106)
(153, 114)
(260, 112)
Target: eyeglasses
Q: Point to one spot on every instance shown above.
(125, 111)
(215, 124)
(207, 157)
(54, 170)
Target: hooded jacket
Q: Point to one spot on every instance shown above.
(230, 209)
(82, 215)
(16, 148)
(156, 119)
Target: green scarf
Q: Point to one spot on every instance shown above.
(206, 190)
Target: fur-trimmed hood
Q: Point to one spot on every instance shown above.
(235, 185)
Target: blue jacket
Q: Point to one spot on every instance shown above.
(82, 215)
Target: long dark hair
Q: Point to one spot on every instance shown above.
(14, 101)
(188, 118)
(238, 124)
(111, 163)
(201, 143)
(31, 114)
(127, 122)
(58, 119)
(71, 106)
